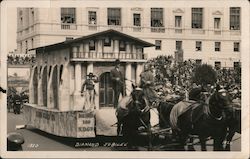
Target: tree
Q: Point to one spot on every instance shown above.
(204, 74)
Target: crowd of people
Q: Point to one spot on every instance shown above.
(16, 99)
(24, 59)
(175, 79)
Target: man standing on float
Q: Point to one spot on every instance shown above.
(117, 79)
(89, 86)
(147, 84)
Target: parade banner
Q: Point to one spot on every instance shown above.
(86, 124)
(77, 124)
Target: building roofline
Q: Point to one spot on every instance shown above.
(109, 32)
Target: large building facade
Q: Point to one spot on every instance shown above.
(206, 34)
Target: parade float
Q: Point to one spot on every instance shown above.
(55, 102)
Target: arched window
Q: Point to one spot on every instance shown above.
(60, 74)
(50, 67)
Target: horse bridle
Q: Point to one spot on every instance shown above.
(222, 91)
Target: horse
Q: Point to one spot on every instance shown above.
(200, 118)
(233, 114)
(134, 116)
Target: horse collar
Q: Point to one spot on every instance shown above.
(211, 115)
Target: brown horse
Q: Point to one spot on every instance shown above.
(135, 115)
(199, 118)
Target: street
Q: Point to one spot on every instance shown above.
(36, 140)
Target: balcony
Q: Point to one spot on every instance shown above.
(235, 32)
(115, 27)
(107, 55)
(198, 31)
(137, 29)
(158, 29)
(68, 26)
(217, 32)
(92, 27)
(178, 30)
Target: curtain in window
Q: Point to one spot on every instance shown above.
(197, 14)
(137, 20)
(178, 45)
(178, 21)
(217, 23)
(157, 17)
(68, 15)
(235, 18)
(114, 16)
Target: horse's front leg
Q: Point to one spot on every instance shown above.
(118, 128)
(203, 143)
(190, 145)
(229, 139)
(218, 143)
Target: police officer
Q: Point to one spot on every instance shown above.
(17, 103)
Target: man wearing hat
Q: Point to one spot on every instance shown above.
(89, 86)
(117, 82)
(147, 83)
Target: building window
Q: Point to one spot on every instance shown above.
(137, 19)
(32, 43)
(114, 16)
(91, 45)
(157, 44)
(26, 46)
(107, 41)
(21, 21)
(21, 47)
(122, 46)
(157, 17)
(92, 17)
(236, 64)
(197, 15)
(178, 21)
(198, 61)
(68, 15)
(178, 45)
(217, 65)
(217, 46)
(31, 13)
(198, 46)
(216, 23)
(236, 46)
(234, 18)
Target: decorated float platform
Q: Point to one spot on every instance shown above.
(55, 103)
(75, 124)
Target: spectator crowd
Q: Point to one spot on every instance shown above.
(20, 59)
(175, 79)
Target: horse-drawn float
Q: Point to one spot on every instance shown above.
(57, 107)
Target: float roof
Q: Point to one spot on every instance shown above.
(108, 33)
